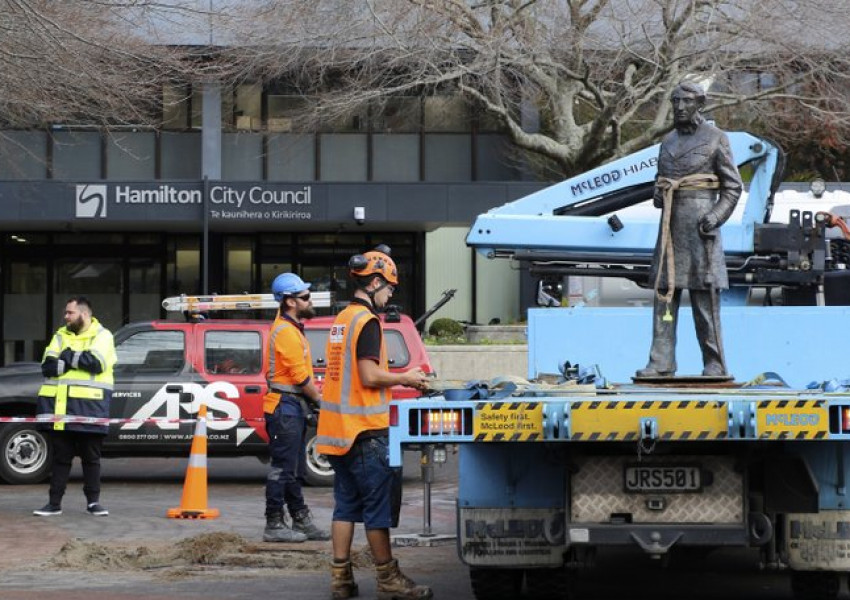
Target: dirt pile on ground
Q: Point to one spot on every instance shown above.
(197, 553)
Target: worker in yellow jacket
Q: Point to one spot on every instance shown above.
(77, 367)
(353, 430)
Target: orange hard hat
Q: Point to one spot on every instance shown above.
(374, 262)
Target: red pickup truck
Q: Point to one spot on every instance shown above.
(165, 370)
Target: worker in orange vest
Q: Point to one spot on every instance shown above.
(353, 430)
(287, 404)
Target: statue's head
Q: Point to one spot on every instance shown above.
(688, 99)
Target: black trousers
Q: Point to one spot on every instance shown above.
(67, 445)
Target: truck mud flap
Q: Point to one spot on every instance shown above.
(818, 541)
(516, 537)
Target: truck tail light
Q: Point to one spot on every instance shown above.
(439, 421)
(443, 421)
(393, 415)
(845, 419)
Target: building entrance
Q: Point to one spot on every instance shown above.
(126, 275)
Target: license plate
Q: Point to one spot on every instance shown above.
(651, 479)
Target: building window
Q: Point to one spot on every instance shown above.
(239, 261)
(76, 155)
(348, 121)
(291, 157)
(101, 280)
(398, 115)
(248, 107)
(23, 155)
(197, 107)
(344, 157)
(175, 107)
(287, 113)
(242, 156)
(184, 266)
(395, 157)
(145, 281)
(446, 113)
(180, 155)
(448, 157)
(24, 309)
(131, 156)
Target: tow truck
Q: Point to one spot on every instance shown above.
(556, 468)
(166, 368)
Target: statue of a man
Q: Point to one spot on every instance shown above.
(697, 188)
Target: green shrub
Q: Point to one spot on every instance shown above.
(446, 328)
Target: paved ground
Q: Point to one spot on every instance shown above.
(138, 553)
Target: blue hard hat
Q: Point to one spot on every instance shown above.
(287, 284)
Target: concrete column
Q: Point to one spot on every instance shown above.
(211, 131)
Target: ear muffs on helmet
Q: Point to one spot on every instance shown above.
(374, 262)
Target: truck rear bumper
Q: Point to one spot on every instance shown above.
(657, 538)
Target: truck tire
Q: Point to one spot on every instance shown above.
(25, 454)
(496, 584)
(549, 584)
(815, 585)
(319, 471)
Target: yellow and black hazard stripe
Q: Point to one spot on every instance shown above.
(619, 420)
(792, 420)
(508, 422)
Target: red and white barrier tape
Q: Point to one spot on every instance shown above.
(111, 421)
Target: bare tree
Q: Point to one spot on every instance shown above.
(80, 62)
(597, 73)
(573, 82)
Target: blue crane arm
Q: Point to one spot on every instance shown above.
(573, 215)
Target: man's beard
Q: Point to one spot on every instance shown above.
(76, 325)
(306, 313)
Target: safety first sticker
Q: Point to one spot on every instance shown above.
(792, 419)
(619, 420)
(508, 422)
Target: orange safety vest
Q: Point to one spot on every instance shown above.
(349, 407)
(290, 362)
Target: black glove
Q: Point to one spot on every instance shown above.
(53, 367)
(68, 356)
(312, 418)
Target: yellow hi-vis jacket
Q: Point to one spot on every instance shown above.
(76, 391)
(349, 407)
(290, 364)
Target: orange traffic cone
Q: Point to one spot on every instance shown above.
(193, 505)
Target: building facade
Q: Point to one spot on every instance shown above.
(231, 191)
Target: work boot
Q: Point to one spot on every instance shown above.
(342, 581)
(277, 531)
(303, 521)
(395, 585)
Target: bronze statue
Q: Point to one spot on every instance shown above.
(697, 188)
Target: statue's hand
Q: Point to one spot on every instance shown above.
(708, 222)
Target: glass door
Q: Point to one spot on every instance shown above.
(24, 310)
